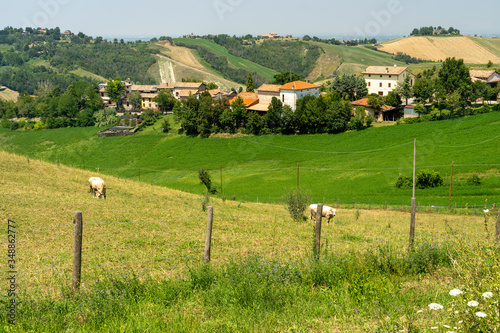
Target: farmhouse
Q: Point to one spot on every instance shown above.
(382, 80)
(291, 92)
(490, 77)
(272, 35)
(386, 112)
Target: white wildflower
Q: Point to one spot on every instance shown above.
(488, 294)
(435, 306)
(486, 211)
(473, 303)
(434, 328)
(481, 314)
(456, 292)
(446, 326)
(420, 311)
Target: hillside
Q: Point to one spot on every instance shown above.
(363, 166)
(178, 62)
(473, 50)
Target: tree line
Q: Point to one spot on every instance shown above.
(324, 114)
(429, 31)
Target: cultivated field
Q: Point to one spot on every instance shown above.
(9, 95)
(472, 50)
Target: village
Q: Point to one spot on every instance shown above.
(380, 80)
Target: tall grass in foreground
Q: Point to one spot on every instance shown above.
(337, 292)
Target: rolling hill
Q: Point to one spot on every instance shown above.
(473, 50)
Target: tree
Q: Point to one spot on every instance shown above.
(393, 99)
(424, 89)
(405, 90)
(105, 117)
(376, 101)
(135, 99)
(273, 115)
(454, 75)
(211, 86)
(419, 108)
(351, 87)
(204, 178)
(490, 64)
(285, 77)
(250, 86)
(116, 91)
(165, 100)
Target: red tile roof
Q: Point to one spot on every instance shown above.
(298, 85)
(364, 103)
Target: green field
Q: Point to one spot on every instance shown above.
(361, 166)
(142, 264)
(491, 44)
(236, 62)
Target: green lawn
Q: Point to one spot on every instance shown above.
(363, 166)
(233, 60)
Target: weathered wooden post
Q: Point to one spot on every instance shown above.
(208, 240)
(319, 214)
(77, 253)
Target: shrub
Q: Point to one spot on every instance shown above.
(424, 179)
(296, 203)
(204, 177)
(473, 180)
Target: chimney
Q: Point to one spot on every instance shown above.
(387, 69)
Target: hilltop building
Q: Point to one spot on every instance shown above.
(382, 80)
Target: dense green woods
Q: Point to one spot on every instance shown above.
(28, 57)
(281, 55)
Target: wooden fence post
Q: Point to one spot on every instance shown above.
(319, 214)
(208, 240)
(77, 253)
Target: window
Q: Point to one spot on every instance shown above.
(389, 85)
(390, 76)
(369, 84)
(282, 98)
(369, 75)
(380, 84)
(380, 75)
(381, 93)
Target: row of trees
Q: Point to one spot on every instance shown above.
(74, 107)
(429, 31)
(324, 114)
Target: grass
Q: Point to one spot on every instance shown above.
(142, 267)
(266, 166)
(234, 61)
(84, 73)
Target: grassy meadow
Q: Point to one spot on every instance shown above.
(361, 166)
(142, 262)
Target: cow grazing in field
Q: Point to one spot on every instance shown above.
(97, 187)
(328, 212)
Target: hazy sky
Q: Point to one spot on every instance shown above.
(365, 18)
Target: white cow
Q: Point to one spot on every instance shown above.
(97, 187)
(327, 212)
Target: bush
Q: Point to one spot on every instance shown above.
(296, 203)
(424, 179)
(204, 177)
(473, 180)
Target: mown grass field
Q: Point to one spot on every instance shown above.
(143, 246)
(361, 166)
(234, 61)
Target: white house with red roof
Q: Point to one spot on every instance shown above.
(291, 92)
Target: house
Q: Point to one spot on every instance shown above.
(215, 93)
(104, 93)
(186, 88)
(382, 80)
(249, 99)
(272, 35)
(386, 112)
(491, 77)
(291, 92)
(68, 33)
(266, 92)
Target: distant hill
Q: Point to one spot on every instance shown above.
(474, 50)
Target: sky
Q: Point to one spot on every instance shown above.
(154, 18)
